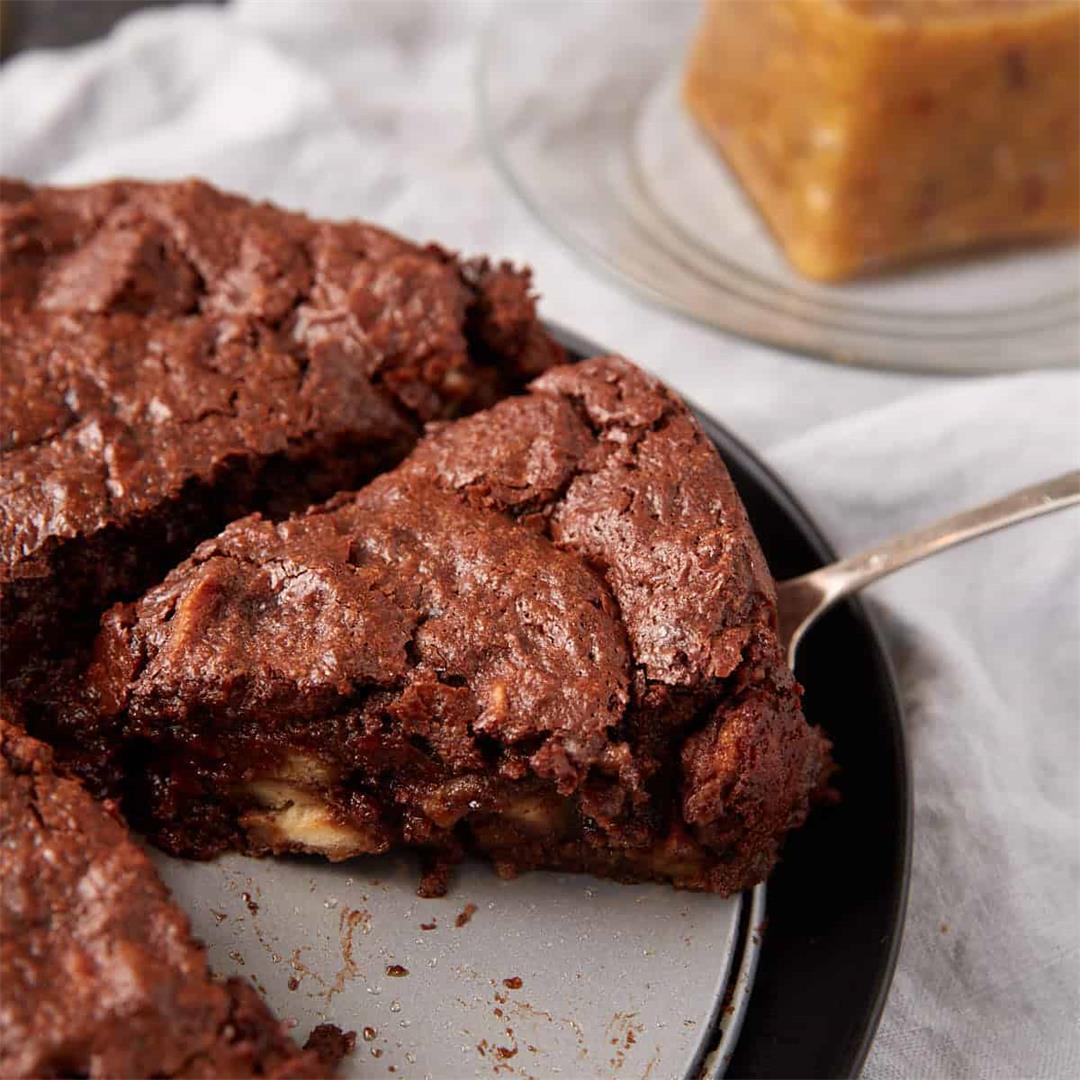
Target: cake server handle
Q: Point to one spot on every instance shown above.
(802, 599)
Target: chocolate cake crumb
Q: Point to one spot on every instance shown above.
(330, 1044)
(465, 915)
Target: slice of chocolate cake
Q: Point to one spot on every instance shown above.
(172, 357)
(549, 637)
(99, 974)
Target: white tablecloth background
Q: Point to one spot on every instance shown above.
(367, 110)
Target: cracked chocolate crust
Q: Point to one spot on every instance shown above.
(99, 974)
(549, 636)
(172, 357)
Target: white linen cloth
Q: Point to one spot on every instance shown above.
(367, 110)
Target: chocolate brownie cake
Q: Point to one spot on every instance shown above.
(100, 976)
(549, 637)
(174, 357)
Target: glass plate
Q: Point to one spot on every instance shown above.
(580, 107)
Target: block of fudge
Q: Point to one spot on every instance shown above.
(99, 974)
(870, 132)
(174, 357)
(548, 637)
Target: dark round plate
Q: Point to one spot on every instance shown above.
(835, 907)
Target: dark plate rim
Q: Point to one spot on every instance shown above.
(852, 1055)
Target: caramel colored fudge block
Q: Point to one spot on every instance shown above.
(874, 132)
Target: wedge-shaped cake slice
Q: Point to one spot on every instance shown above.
(549, 637)
(99, 974)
